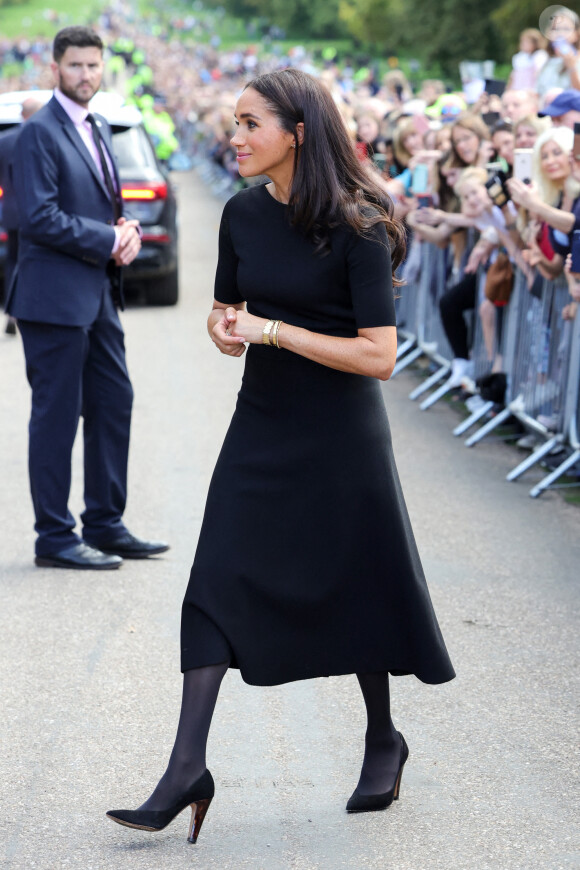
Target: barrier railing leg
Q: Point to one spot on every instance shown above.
(473, 418)
(437, 376)
(434, 397)
(407, 360)
(535, 457)
(404, 347)
(543, 485)
(488, 427)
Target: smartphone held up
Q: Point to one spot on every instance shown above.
(523, 164)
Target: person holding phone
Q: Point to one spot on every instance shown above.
(549, 201)
(562, 68)
(558, 206)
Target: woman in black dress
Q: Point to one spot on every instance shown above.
(306, 564)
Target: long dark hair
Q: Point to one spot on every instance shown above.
(330, 185)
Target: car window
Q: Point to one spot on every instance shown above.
(132, 148)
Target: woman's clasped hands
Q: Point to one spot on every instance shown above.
(233, 328)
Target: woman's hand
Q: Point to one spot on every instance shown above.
(522, 194)
(220, 325)
(247, 327)
(570, 59)
(485, 153)
(569, 311)
(573, 279)
(479, 256)
(431, 216)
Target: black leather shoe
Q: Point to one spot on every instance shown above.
(367, 803)
(199, 797)
(10, 326)
(80, 556)
(130, 547)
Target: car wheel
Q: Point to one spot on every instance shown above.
(163, 291)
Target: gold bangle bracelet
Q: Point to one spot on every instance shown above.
(266, 332)
(276, 330)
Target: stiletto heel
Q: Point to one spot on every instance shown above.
(199, 797)
(364, 803)
(400, 775)
(198, 814)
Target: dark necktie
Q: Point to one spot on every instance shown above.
(105, 167)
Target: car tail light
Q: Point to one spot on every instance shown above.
(161, 237)
(3, 236)
(147, 190)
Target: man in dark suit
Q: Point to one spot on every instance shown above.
(73, 244)
(9, 213)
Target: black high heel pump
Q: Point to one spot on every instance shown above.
(365, 803)
(199, 797)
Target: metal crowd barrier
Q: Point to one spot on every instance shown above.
(421, 312)
(537, 349)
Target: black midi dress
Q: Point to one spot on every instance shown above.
(306, 565)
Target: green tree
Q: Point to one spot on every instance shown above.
(437, 31)
(376, 22)
(302, 18)
(513, 16)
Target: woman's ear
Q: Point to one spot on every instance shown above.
(300, 132)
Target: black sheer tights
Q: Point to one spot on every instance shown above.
(200, 691)
(187, 760)
(382, 743)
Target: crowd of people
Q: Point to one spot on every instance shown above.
(485, 170)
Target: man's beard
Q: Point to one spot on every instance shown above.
(72, 94)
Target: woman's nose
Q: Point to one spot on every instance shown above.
(236, 139)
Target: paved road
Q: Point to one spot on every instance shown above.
(89, 664)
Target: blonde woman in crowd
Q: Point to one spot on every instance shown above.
(546, 203)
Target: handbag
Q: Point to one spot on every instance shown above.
(499, 281)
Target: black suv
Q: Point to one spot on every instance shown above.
(146, 189)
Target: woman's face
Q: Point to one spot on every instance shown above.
(443, 139)
(503, 142)
(262, 146)
(466, 144)
(451, 175)
(474, 199)
(413, 142)
(525, 136)
(367, 129)
(554, 162)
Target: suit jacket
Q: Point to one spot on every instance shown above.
(9, 213)
(66, 222)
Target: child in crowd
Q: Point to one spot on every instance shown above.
(529, 60)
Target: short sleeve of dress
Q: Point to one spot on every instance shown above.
(370, 279)
(226, 279)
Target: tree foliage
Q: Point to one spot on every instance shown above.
(301, 18)
(513, 16)
(437, 32)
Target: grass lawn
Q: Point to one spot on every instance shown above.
(40, 18)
